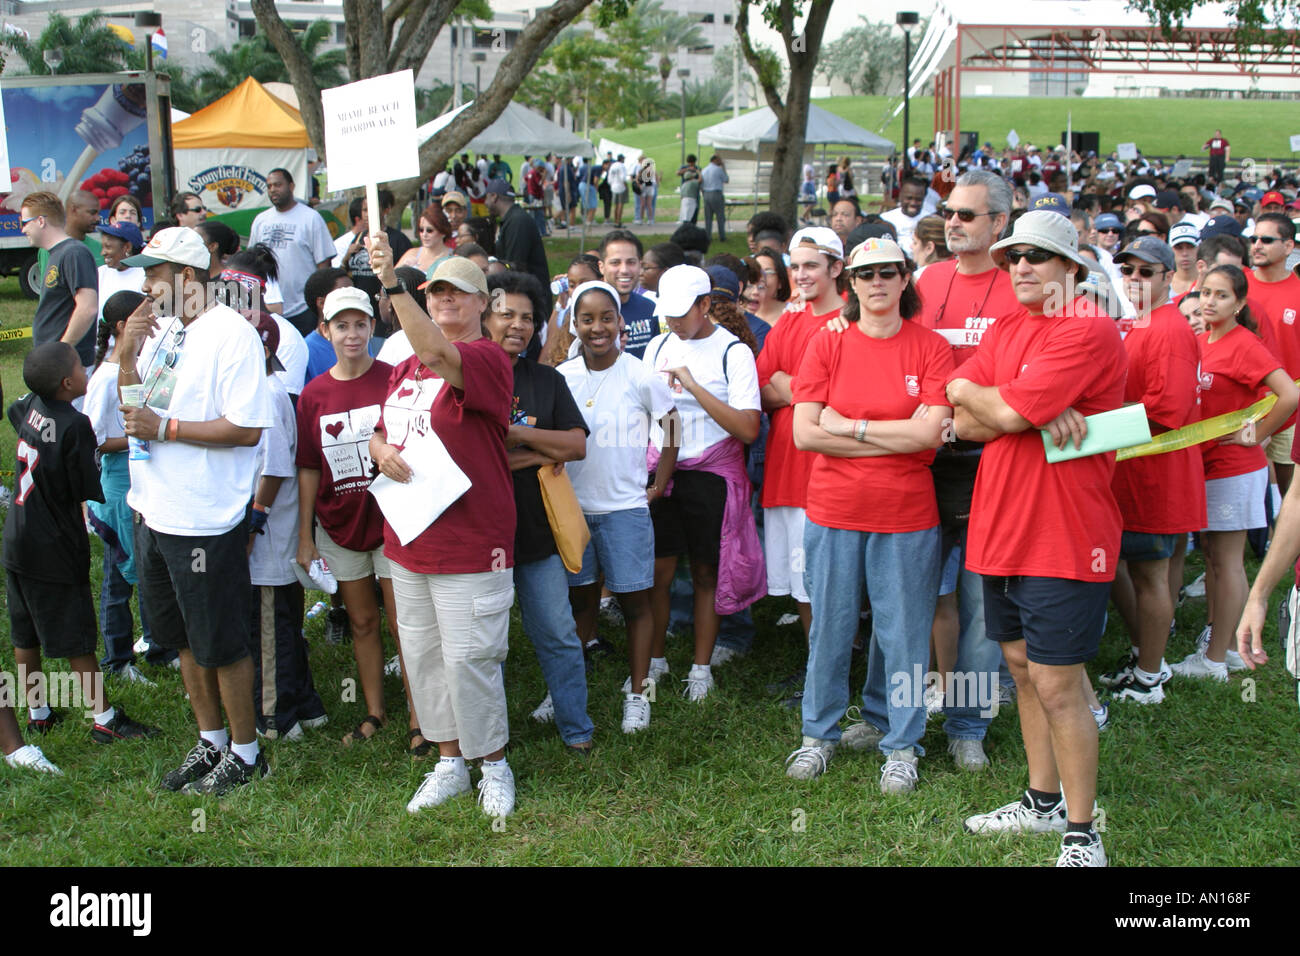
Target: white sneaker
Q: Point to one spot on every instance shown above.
(1230, 657)
(141, 646)
(698, 683)
(1198, 665)
(1197, 588)
(723, 655)
(31, 757)
(1018, 817)
(293, 734)
(860, 735)
(1077, 849)
(657, 673)
(545, 712)
(786, 619)
(933, 701)
(175, 664)
(610, 612)
(496, 791)
(394, 666)
(445, 782)
(314, 723)
(898, 775)
(810, 760)
(968, 754)
(1101, 716)
(636, 713)
(131, 674)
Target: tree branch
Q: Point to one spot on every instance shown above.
(392, 13)
(419, 30)
(300, 71)
(770, 92)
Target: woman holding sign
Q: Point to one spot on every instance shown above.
(448, 410)
(1236, 370)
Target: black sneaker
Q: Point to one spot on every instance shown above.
(230, 774)
(45, 725)
(121, 727)
(199, 762)
(1120, 674)
(337, 626)
(599, 648)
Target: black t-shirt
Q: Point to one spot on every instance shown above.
(45, 534)
(520, 244)
(542, 400)
(364, 278)
(71, 267)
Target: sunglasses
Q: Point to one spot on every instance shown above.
(867, 273)
(1147, 232)
(23, 222)
(195, 209)
(1146, 272)
(965, 215)
(1267, 240)
(1111, 230)
(1036, 257)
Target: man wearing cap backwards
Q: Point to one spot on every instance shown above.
(1161, 497)
(1183, 239)
(300, 240)
(816, 260)
(1277, 290)
(206, 404)
(1045, 537)
(518, 242)
(962, 299)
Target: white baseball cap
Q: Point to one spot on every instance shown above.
(178, 244)
(349, 297)
(679, 289)
(824, 239)
(1144, 191)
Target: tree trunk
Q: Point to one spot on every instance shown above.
(299, 67)
(370, 33)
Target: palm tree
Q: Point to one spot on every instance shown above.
(87, 45)
(668, 32)
(256, 57)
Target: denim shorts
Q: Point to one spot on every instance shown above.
(1140, 546)
(1059, 620)
(622, 546)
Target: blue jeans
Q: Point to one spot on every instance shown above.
(901, 575)
(978, 658)
(543, 592)
(118, 626)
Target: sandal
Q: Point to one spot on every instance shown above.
(358, 734)
(419, 750)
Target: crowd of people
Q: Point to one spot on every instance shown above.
(853, 417)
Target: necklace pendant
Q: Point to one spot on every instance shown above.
(591, 402)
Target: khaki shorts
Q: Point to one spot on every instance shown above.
(1279, 446)
(351, 565)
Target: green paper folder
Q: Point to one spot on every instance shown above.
(1107, 431)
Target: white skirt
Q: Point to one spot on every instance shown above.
(1236, 503)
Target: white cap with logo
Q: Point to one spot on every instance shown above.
(179, 244)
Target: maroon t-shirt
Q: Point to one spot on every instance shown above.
(477, 532)
(335, 422)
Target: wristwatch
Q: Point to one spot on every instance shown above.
(392, 290)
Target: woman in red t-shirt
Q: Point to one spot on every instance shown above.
(1236, 370)
(870, 403)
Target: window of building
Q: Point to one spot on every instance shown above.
(706, 18)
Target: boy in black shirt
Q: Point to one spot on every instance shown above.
(46, 548)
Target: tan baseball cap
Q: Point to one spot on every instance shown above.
(178, 244)
(460, 272)
(455, 196)
(349, 297)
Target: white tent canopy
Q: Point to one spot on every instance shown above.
(517, 131)
(751, 131)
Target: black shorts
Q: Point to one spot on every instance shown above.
(57, 618)
(1059, 620)
(196, 592)
(689, 521)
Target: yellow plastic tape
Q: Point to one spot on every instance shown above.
(7, 334)
(1198, 432)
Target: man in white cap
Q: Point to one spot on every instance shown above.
(206, 402)
(1183, 239)
(1045, 536)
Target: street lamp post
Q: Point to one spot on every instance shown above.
(53, 58)
(907, 19)
(479, 59)
(150, 22)
(683, 76)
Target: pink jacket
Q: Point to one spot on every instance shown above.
(742, 574)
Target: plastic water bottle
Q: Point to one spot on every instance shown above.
(317, 609)
(137, 449)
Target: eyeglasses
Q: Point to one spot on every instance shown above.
(195, 209)
(1267, 240)
(1036, 257)
(1148, 232)
(1146, 272)
(867, 273)
(965, 215)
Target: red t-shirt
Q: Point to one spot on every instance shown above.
(1232, 376)
(1275, 306)
(786, 468)
(1217, 146)
(335, 422)
(477, 532)
(875, 379)
(962, 307)
(1162, 494)
(1029, 517)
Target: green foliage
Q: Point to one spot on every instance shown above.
(87, 45)
(256, 57)
(869, 57)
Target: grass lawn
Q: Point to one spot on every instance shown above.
(1205, 779)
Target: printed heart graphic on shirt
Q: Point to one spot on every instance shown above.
(335, 429)
(405, 392)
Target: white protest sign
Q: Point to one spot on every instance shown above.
(370, 131)
(1126, 151)
(1295, 144)
(1013, 139)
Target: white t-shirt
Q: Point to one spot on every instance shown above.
(292, 354)
(300, 239)
(274, 551)
(396, 349)
(616, 176)
(442, 181)
(903, 224)
(102, 405)
(116, 280)
(738, 387)
(220, 372)
(341, 246)
(625, 399)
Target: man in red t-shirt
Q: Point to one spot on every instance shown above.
(1045, 536)
(1219, 149)
(962, 298)
(816, 261)
(1277, 290)
(1161, 497)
